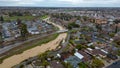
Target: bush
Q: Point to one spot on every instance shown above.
(96, 63)
(67, 65)
(112, 34)
(82, 65)
(72, 25)
(118, 52)
(80, 47)
(93, 47)
(21, 66)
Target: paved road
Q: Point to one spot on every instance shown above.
(115, 65)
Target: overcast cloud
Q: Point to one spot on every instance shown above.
(61, 3)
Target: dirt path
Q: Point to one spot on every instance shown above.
(16, 59)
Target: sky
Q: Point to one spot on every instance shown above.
(61, 3)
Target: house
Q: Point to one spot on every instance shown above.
(65, 55)
(90, 44)
(110, 49)
(81, 41)
(78, 22)
(73, 60)
(33, 30)
(86, 57)
(118, 34)
(100, 21)
(78, 55)
(10, 31)
(110, 21)
(56, 64)
(38, 26)
(111, 56)
(102, 45)
(96, 52)
(77, 34)
(6, 32)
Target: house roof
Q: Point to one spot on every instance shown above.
(97, 52)
(56, 64)
(89, 49)
(65, 55)
(79, 55)
(73, 60)
(90, 44)
(86, 57)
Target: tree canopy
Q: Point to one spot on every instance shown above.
(82, 65)
(1, 18)
(96, 63)
(72, 25)
(23, 29)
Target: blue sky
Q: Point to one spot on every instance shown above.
(61, 3)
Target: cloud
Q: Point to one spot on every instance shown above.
(93, 3)
(88, 1)
(62, 3)
(72, 1)
(25, 2)
(19, 2)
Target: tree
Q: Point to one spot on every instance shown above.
(85, 18)
(78, 17)
(116, 22)
(19, 22)
(98, 26)
(67, 65)
(111, 34)
(1, 39)
(96, 63)
(73, 25)
(80, 47)
(117, 42)
(93, 47)
(23, 29)
(82, 65)
(45, 63)
(94, 21)
(118, 53)
(21, 66)
(43, 55)
(1, 18)
(43, 58)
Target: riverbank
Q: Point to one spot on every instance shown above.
(16, 59)
(20, 49)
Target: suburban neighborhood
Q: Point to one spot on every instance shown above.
(59, 37)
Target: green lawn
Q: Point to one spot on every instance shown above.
(19, 17)
(45, 16)
(24, 17)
